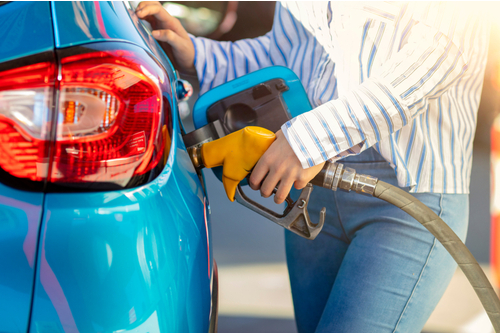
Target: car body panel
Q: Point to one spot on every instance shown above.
(134, 260)
(80, 22)
(25, 21)
(126, 258)
(20, 214)
(20, 211)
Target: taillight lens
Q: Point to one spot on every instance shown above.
(111, 121)
(25, 99)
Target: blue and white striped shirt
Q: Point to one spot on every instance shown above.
(405, 78)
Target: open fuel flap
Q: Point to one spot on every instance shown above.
(250, 109)
(265, 98)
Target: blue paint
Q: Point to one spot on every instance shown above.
(54, 22)
(21, 22)
(138, 259)
(20, 214)
(91, 21)
(107, 265)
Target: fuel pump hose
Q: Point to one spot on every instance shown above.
(238, 152)
(334, 176)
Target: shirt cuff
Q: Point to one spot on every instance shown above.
(193, 40)
(343, 127)
(301, 151)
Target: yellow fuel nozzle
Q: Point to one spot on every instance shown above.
(237, 152)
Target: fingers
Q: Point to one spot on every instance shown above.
(258, 174)
(170, 37)
(270, 182)
(284, 188)
(271, 169)
(266, 178)
(301, 182)
(148, 8)
(165, 20)
(279, 164)
(170, 30)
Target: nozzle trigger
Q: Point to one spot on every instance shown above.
(295, 217)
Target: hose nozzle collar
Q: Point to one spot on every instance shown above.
(334, 176)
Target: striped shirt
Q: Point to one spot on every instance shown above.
(404, 78)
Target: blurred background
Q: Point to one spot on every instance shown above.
(254, 288)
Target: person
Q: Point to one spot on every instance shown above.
(395, 89)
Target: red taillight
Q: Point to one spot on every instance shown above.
(25, 98)
(110, 120)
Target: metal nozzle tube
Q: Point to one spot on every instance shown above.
(335, 175)
(196, 157)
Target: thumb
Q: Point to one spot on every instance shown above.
(179, 44)
(166, 35)
(183, 49)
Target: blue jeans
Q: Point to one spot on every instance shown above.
(373, 268)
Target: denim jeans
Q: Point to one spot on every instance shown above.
(373, 268)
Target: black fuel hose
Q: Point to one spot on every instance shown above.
(451, 243)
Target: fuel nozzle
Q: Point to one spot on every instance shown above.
(237, 152)
(335, 176)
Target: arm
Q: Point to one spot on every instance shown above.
(219, 62)
(214, 62)
(434, 60)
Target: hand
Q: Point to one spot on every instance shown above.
(282, 166)
(169, 29)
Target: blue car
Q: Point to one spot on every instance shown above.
(104, 222)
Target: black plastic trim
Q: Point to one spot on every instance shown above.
(20, 183)
(27, 60)
(214, 316)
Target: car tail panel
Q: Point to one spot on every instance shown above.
(20, 215)
(81, 22)
(134, 260)
(27, 72)
(22, 21)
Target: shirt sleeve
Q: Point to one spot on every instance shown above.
(435, 57)
(220, 62)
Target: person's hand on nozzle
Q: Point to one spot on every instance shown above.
(169, 29)
(280, 167)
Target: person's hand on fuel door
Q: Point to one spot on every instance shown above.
(169, 29)
(279, 164)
